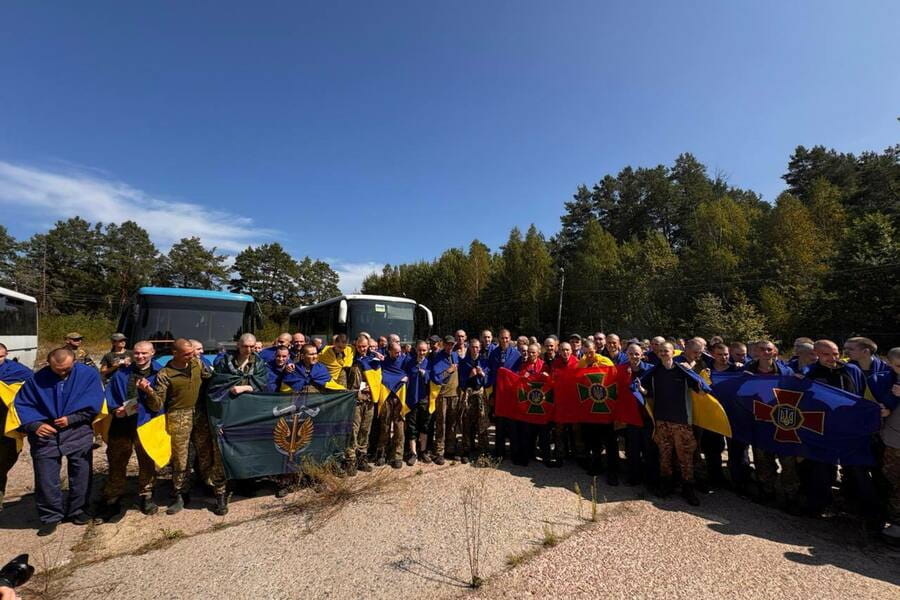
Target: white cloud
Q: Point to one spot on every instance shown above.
(353, 273)
(49, 195)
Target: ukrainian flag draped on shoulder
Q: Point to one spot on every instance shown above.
(393, 374)
(42, 398)
(151, 425)
(328, 357)
(12, 376)
(371, 370)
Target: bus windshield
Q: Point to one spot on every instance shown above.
(377, 318)
(211, 321)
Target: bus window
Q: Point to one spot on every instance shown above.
(17, 317)
(381, 318)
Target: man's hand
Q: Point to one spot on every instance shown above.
(121, 412)
(7, 593)
(895, 389)
(61, 422)
(240, 389)
(126, 361)
(885, 411)
(405, 379)
(452, 369)
(290, 367)
(45, 431)
(144, 385)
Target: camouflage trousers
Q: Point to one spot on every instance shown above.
(453, 426)
(767, 472)
(180, 425)
(362, 422)
(390, 442)
(209, 457)
(476, 420)
(678, 438)
(120, 443)
(891, 472)
(8, 456)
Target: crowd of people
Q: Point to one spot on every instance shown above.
(667, 453)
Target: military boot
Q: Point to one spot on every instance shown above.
(148, 506)
(221, 507)
(177, 505)
(362, 464)
(687, 492)
(664, 487)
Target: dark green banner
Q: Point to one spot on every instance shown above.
(270, 434)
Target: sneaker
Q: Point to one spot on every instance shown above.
(411, 460)
(396, 463)
(439, 460)
(47, 528)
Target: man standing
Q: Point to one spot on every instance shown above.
(652, 355)
(448, 417)
(177, 389)
(365, 407)
(829, 369)
(56, 408)
(118, 356)
(297, 341)
(764, 460)
(640, 451)
(309, 376)
(804, 356)
(12, 375)
(575, 341)
(73, 343)
(613, 350)
(503, 356)
(600, 436)
(279, 367)
(338, 359)
(487, 343)
(391, 412)
(472, 378)
(282, 341)
(238, 373)
(666, 384)
(863, 353)
(122, 396)
(418, 371)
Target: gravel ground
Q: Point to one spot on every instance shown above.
(408, 540)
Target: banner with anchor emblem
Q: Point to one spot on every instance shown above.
(271, 434)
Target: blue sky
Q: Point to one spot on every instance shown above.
(374, 132)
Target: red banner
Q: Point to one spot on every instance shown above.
(592, 395)
(524, 398)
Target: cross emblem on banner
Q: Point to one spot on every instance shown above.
(787, 417)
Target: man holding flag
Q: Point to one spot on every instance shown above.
(506, 356)
(666, 385)
(55, 409)
(12, 376)
(392, 408)
(122, 399)
(364, 377)
(641, 454)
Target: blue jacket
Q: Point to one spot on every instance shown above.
(510, 359)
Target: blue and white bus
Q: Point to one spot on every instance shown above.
(19, 326)
(161, 315)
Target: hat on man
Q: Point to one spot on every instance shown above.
(434, 339)
(575, 336)
(74, 335)
(449, 339)
(118, 337)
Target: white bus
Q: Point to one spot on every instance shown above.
(354, 313)
(18, 326)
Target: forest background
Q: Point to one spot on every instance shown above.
(664, 250)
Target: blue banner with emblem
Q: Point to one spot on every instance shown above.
(798, 417)
(271, 434)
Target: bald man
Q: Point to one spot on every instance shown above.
(56, 408)
(177, 389)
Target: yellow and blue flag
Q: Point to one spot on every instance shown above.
(393, 379)
(151, 426)
(12, 376)
(335, 365)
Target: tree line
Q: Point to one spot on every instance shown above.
(79, 267)
(673, 250)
